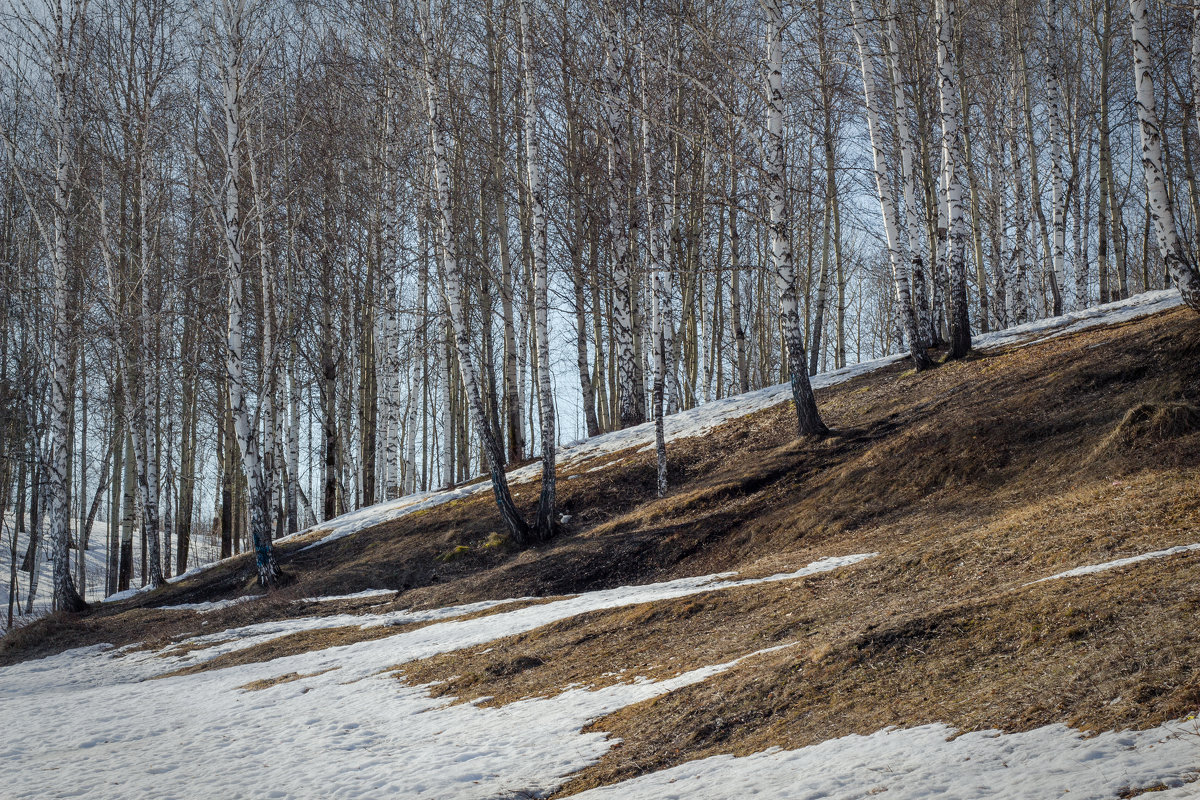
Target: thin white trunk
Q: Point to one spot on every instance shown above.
(1058, 190)
(632, 407)
(233, 24)
(960, 329)
(537, 211)
(1180, 264)
(439, 147)
(908, 174)
(65, 18)
(895, 243)
(808, 420)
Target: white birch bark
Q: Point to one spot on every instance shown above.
(895, 243)
(439, 147)
(908, 175)
(1180, 264)
(1018, 255)
(1058, 190)
(632, 407)
(66, 22)
(410, 458)
(537, 211)
(232, 21)
(808, 420)
(447, 377)
(1196, 67)
(389, 384)
(657, 228)
(960, 329)
(144, 416)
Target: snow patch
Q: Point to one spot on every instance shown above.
(933, 761)
(208, 608)
(330, 598)
(1120, 562)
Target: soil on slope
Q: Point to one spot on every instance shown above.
(970, 481)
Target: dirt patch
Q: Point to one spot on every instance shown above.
(258, 686)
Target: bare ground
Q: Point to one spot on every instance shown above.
(971, 481)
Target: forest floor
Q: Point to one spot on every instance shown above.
(898, 583)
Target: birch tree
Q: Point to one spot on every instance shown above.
(537, 209)
(55, 37)
(452, 278)
(614, 102)
(960, 328)
(808, 420)
(232, 24)
(897, 248)
(1058, 187)
(912, 219)
(1181, 265)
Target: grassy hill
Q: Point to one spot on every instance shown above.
(961, 488)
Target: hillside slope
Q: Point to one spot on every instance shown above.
(918, 570)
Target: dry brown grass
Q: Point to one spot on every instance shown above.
(267, 683)
(971, 480)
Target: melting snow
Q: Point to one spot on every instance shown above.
(89, 724)
(207, 608)
(86, 723)
(1120, 562)
(329, 598)
(924, 762)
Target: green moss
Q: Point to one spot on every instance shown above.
(494, 540)
(457, 552)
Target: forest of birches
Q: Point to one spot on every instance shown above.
(269, 261)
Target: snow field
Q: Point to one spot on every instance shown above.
(926, 762)
(345, 728)
(105, 728)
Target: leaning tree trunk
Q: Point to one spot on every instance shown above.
(960, 326)
(439, 145)
(537, 212)
(895, 244)
(808, 420)
(1180, 264)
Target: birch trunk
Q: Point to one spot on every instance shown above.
(1179, 262)
(896, 246)
(1018, 258)
(67, 20)
(1034, 180)
(1058, 199)
(545, 523)
(631, 404)
(808, 420)
(1196, 68)
(960, 327)
(233, 33)
(439, 145)
(912, 219)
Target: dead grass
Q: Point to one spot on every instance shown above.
(971, 480)
(258, 686)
